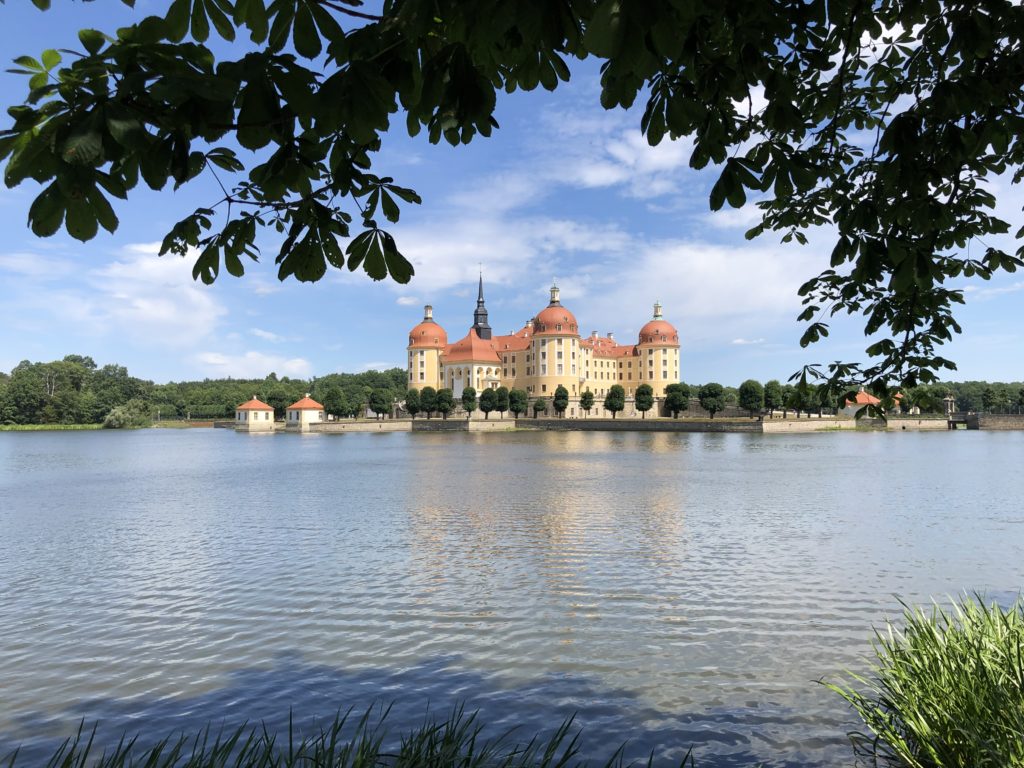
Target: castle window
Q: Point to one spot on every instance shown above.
(513, 373)
(558, 327)
(514, 358)
(422, 377)
(543, 355)
(543, 387)
(558, 354)
(544, 370)
(559, 369)
(504, 371)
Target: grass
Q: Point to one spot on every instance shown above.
(454, 742)
(46, 427)
(946, 691)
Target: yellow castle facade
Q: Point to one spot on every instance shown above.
(546, 353)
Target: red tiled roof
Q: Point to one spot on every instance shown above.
(548, 319)
(656, 330)
(863, 398)
(517, 342)
(471, 349)
(306, 404)
(254, 405)
(428, 334)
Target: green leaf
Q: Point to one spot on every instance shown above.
(719, 191)
(281, 27)
(409, 195)
(305, 36)
(388, 207)
(177, 19)
(29, 63)
(207, 266)
(113, 185)
(357, 249)
(398, 266)
(101, 207)
(256, 21)
(91, 40)
(375, 265)
(200, 23)
(47, 212)
(124, 127)
(80, 220)
(233, 264)
(605, 30)
(259, 107)
(221, 22)
(84, 145)
(50, 59)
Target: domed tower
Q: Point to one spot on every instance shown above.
(554, 356)
(658, 348)
(427, 342)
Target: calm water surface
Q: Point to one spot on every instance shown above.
(672, 590)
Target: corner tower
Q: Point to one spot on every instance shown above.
(658, 353)
(554, 356)
(427, 342)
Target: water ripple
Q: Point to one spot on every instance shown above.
(671, 590)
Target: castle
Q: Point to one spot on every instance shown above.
(546, 353)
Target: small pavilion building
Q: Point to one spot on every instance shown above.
(300, 415)
(254, 416)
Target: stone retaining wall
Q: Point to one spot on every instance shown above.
(640, 425)
(1004, 421)
(335, 427)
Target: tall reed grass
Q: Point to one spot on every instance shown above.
(455, 742)
(946, 691)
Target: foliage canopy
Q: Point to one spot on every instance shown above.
(883, 123)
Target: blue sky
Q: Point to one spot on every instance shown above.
(563, 190)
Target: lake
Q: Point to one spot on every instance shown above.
(669, 589)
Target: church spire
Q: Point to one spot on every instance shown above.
(483, 330)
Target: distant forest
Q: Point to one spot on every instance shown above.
(76, 390)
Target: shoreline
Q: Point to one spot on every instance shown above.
(982, 422)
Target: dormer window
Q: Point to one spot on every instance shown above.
(558, 327)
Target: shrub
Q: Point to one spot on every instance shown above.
(132, 415)
(947, 689)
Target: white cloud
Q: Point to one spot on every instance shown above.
(261, 286)
(266, 335)
(742, 342)
(407, 301)
(252, 365)
(996, 290)
(35, 266)
(145, 297)
(376, 365)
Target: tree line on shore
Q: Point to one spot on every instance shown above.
(75, 390)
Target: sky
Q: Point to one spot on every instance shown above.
(564, 191)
